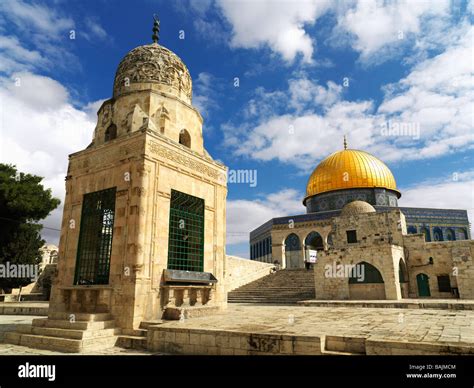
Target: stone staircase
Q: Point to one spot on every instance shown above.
(68, 332)
(286, 286)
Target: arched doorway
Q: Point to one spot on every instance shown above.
(366, 282)
(423, 283)
(314, 241)
(293, 254)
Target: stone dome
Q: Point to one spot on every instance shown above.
(153, 66)
(356, 207)
(349, 169)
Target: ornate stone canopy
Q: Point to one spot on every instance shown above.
(153, 64)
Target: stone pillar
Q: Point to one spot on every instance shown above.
(278, 254)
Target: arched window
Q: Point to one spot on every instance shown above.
(437, 234)
(314, 241)
(411, 229)
(292, 243)
(450, 235)
(185, 138)
(110, 133)
(427, 234)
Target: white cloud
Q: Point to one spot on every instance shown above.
(40, 19)
(93, 30)
(375, 25)
(434, 102)
(378, 30)
(39, 128)
(280, 26)
(446, 193)
(304, 92)
(246, 215)
(46, 33)
(15, 57)
(206, 89)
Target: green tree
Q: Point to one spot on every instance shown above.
(23, 203)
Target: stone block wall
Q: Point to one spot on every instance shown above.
(241, 271)
(452, 258)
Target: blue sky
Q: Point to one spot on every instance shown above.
(308, 72)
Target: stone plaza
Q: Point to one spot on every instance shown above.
(244, 329)
(142, 264)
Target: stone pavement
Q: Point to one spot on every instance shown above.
(418, 325)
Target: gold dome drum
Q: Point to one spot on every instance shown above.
(349, 169)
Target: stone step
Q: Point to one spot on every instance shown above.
(282, 287)
(132, 342)
(74, 317)
(44, 342)
(66, 345)
(270, 295)
(270, 301)
(335, 353)
(78, 325)
(146, 324)
(134, 332)
(67, 333)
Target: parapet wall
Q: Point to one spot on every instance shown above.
(241, 271)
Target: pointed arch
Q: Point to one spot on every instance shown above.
(110, 133)
(185, 138)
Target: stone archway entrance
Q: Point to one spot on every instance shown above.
(369, 286)
(423, 283)
(293, 253)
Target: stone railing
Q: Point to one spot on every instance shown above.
(87, 299)
(186, 295)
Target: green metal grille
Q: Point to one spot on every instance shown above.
(95, 238)
(186, 233)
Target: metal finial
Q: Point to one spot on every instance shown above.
(156, 28)
(345, 142)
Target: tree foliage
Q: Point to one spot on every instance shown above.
(23, 203)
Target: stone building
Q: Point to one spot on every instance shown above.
(143, 230)
(49, 255)
(353, 222)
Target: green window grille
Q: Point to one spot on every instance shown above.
(95, 238)
(186, 233)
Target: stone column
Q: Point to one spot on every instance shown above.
(278, 254)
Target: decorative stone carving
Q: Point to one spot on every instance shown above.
(136, 119)
(182, 160)
(161, 116)
(153, 64)
(106, 115)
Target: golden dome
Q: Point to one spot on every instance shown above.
(349, 169)
(356, 207)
